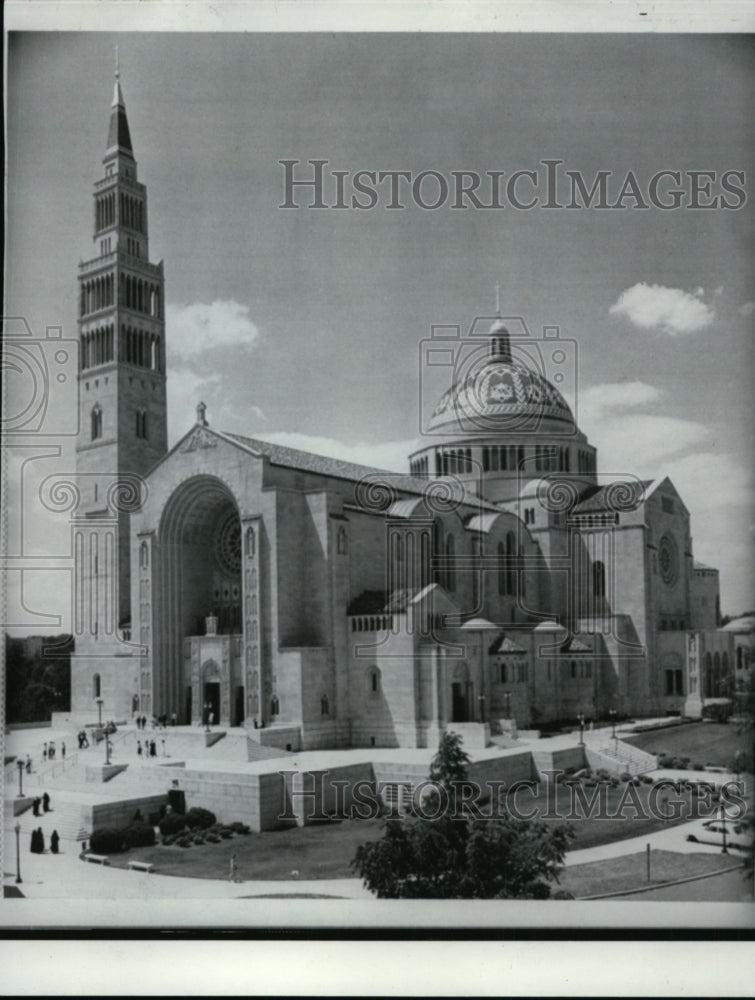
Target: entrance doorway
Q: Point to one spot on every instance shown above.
(238, 707)
(459, 702)
(212, 700)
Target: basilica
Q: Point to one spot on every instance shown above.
(501, 582)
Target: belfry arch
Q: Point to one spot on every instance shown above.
(201, 561)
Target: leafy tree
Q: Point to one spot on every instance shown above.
(455, 854)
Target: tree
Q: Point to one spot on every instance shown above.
(455, 855)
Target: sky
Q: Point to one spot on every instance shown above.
(307, 326)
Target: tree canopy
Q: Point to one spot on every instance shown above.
(458, 855)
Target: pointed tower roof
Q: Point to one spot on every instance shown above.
(118, 137)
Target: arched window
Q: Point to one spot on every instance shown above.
(96, 686)
(450, 567)
(250, 542)
(141, 424)
(510, 569)
(373, 681)
(324, 706)
(598, 579)
(501, 568)
(96, 422)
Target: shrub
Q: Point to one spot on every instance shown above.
(172, 823)
(108, 842)
(646, 779)
(698, 767)
(626, 776)
(183, 842)
(199, 840)
(563, 894)
(213, 838)
(139, 835)
(225, 832)
(536, 890)
(664, 761)
(167, 841)
(680, 763)
(238, 827)
(614, 782)
(199, 819)
(718, 712)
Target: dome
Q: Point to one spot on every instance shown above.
(501, 395)
(740, 626)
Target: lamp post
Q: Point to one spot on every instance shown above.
(17, 828)
(581, 729)
(612, 713)
(481, 699)
(724, 849)
(99, 710)
(107, 747)
(20, 778)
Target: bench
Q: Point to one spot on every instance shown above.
(141, 866)
(98, 859)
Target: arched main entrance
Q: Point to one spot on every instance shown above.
(461, 694)
(201, 594)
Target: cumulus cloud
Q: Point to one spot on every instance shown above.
(390, 455)
(196, 328)
(747, 309)
(669, 309)
(597, 401)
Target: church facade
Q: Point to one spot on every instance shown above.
(323, 604)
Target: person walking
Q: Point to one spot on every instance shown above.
(46, 802)
(63, 750)
(35, 805)
(138, 748)
(40, 841)
(54, 841)
(152, 748)
(28, 764)
(44, 752)
(233, 874)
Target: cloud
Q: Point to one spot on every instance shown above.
(747, 309)
(390, 455)
(196, 329)
(633, 442)
(669, 309)
(597, 401)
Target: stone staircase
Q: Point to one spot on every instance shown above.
(619, 757)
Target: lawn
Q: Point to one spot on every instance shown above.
(630, 872)
(702, 742)
(618, 819)
(320, 851)
(324, 851)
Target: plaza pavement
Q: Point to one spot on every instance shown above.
(65, 876)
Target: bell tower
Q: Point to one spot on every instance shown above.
(122, 395)
(122, 411)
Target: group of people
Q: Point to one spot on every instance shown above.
(44, 802)
(49, 752)
(38, 841)
(83, 739)
(149, 749)
(160, 721)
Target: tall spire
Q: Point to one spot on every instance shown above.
(119, 137)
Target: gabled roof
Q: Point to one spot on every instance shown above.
(617, 496)
(323, 465)
(380, 602)
(503, 644)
